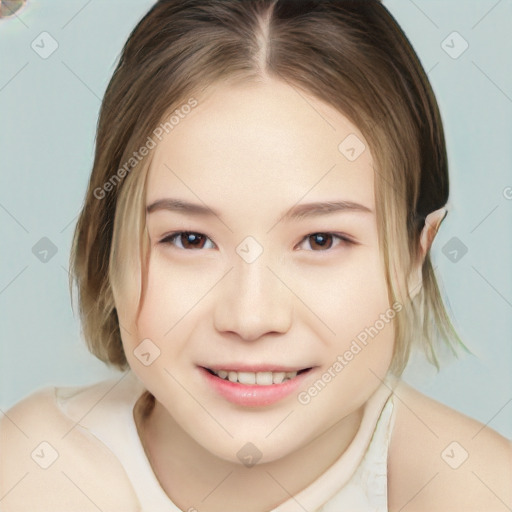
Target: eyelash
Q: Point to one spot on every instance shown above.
(168, 240)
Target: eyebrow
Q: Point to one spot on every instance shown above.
(295, 213)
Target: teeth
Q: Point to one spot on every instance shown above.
(278, 377)
(246, 378)
(260, 378)
(264, 378)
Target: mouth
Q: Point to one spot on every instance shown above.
(254, 385)
(259, 378)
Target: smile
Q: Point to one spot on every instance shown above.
(254, 388)
(256, 378)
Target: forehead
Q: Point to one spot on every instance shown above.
(257, 146)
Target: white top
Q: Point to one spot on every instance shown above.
(92, 439)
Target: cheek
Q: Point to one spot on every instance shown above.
(171, 294)
(158, 335)
(350, 296)
(353, 301)
(357, 357)
(171, 308)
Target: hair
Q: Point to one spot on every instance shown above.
(350, 54)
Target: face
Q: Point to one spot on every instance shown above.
(250, 277)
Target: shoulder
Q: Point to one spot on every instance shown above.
(50, 463)
(441, 460)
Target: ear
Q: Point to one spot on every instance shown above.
(428, 233)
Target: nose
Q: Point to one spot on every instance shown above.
(252, 301)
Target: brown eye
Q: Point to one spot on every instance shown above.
(323, 241)
(186, 240)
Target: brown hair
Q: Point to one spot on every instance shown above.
(351, 54)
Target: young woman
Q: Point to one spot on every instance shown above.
(253, 254)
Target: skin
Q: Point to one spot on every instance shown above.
(419, 479)
(251, 152)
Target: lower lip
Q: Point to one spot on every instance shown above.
(250, 395)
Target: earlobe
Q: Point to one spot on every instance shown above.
(428, 233)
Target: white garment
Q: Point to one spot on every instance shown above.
(101, 416)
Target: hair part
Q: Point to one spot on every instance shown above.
(350, 54)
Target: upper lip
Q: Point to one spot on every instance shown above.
(255, 368)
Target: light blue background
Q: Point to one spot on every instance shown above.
(48, 112)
